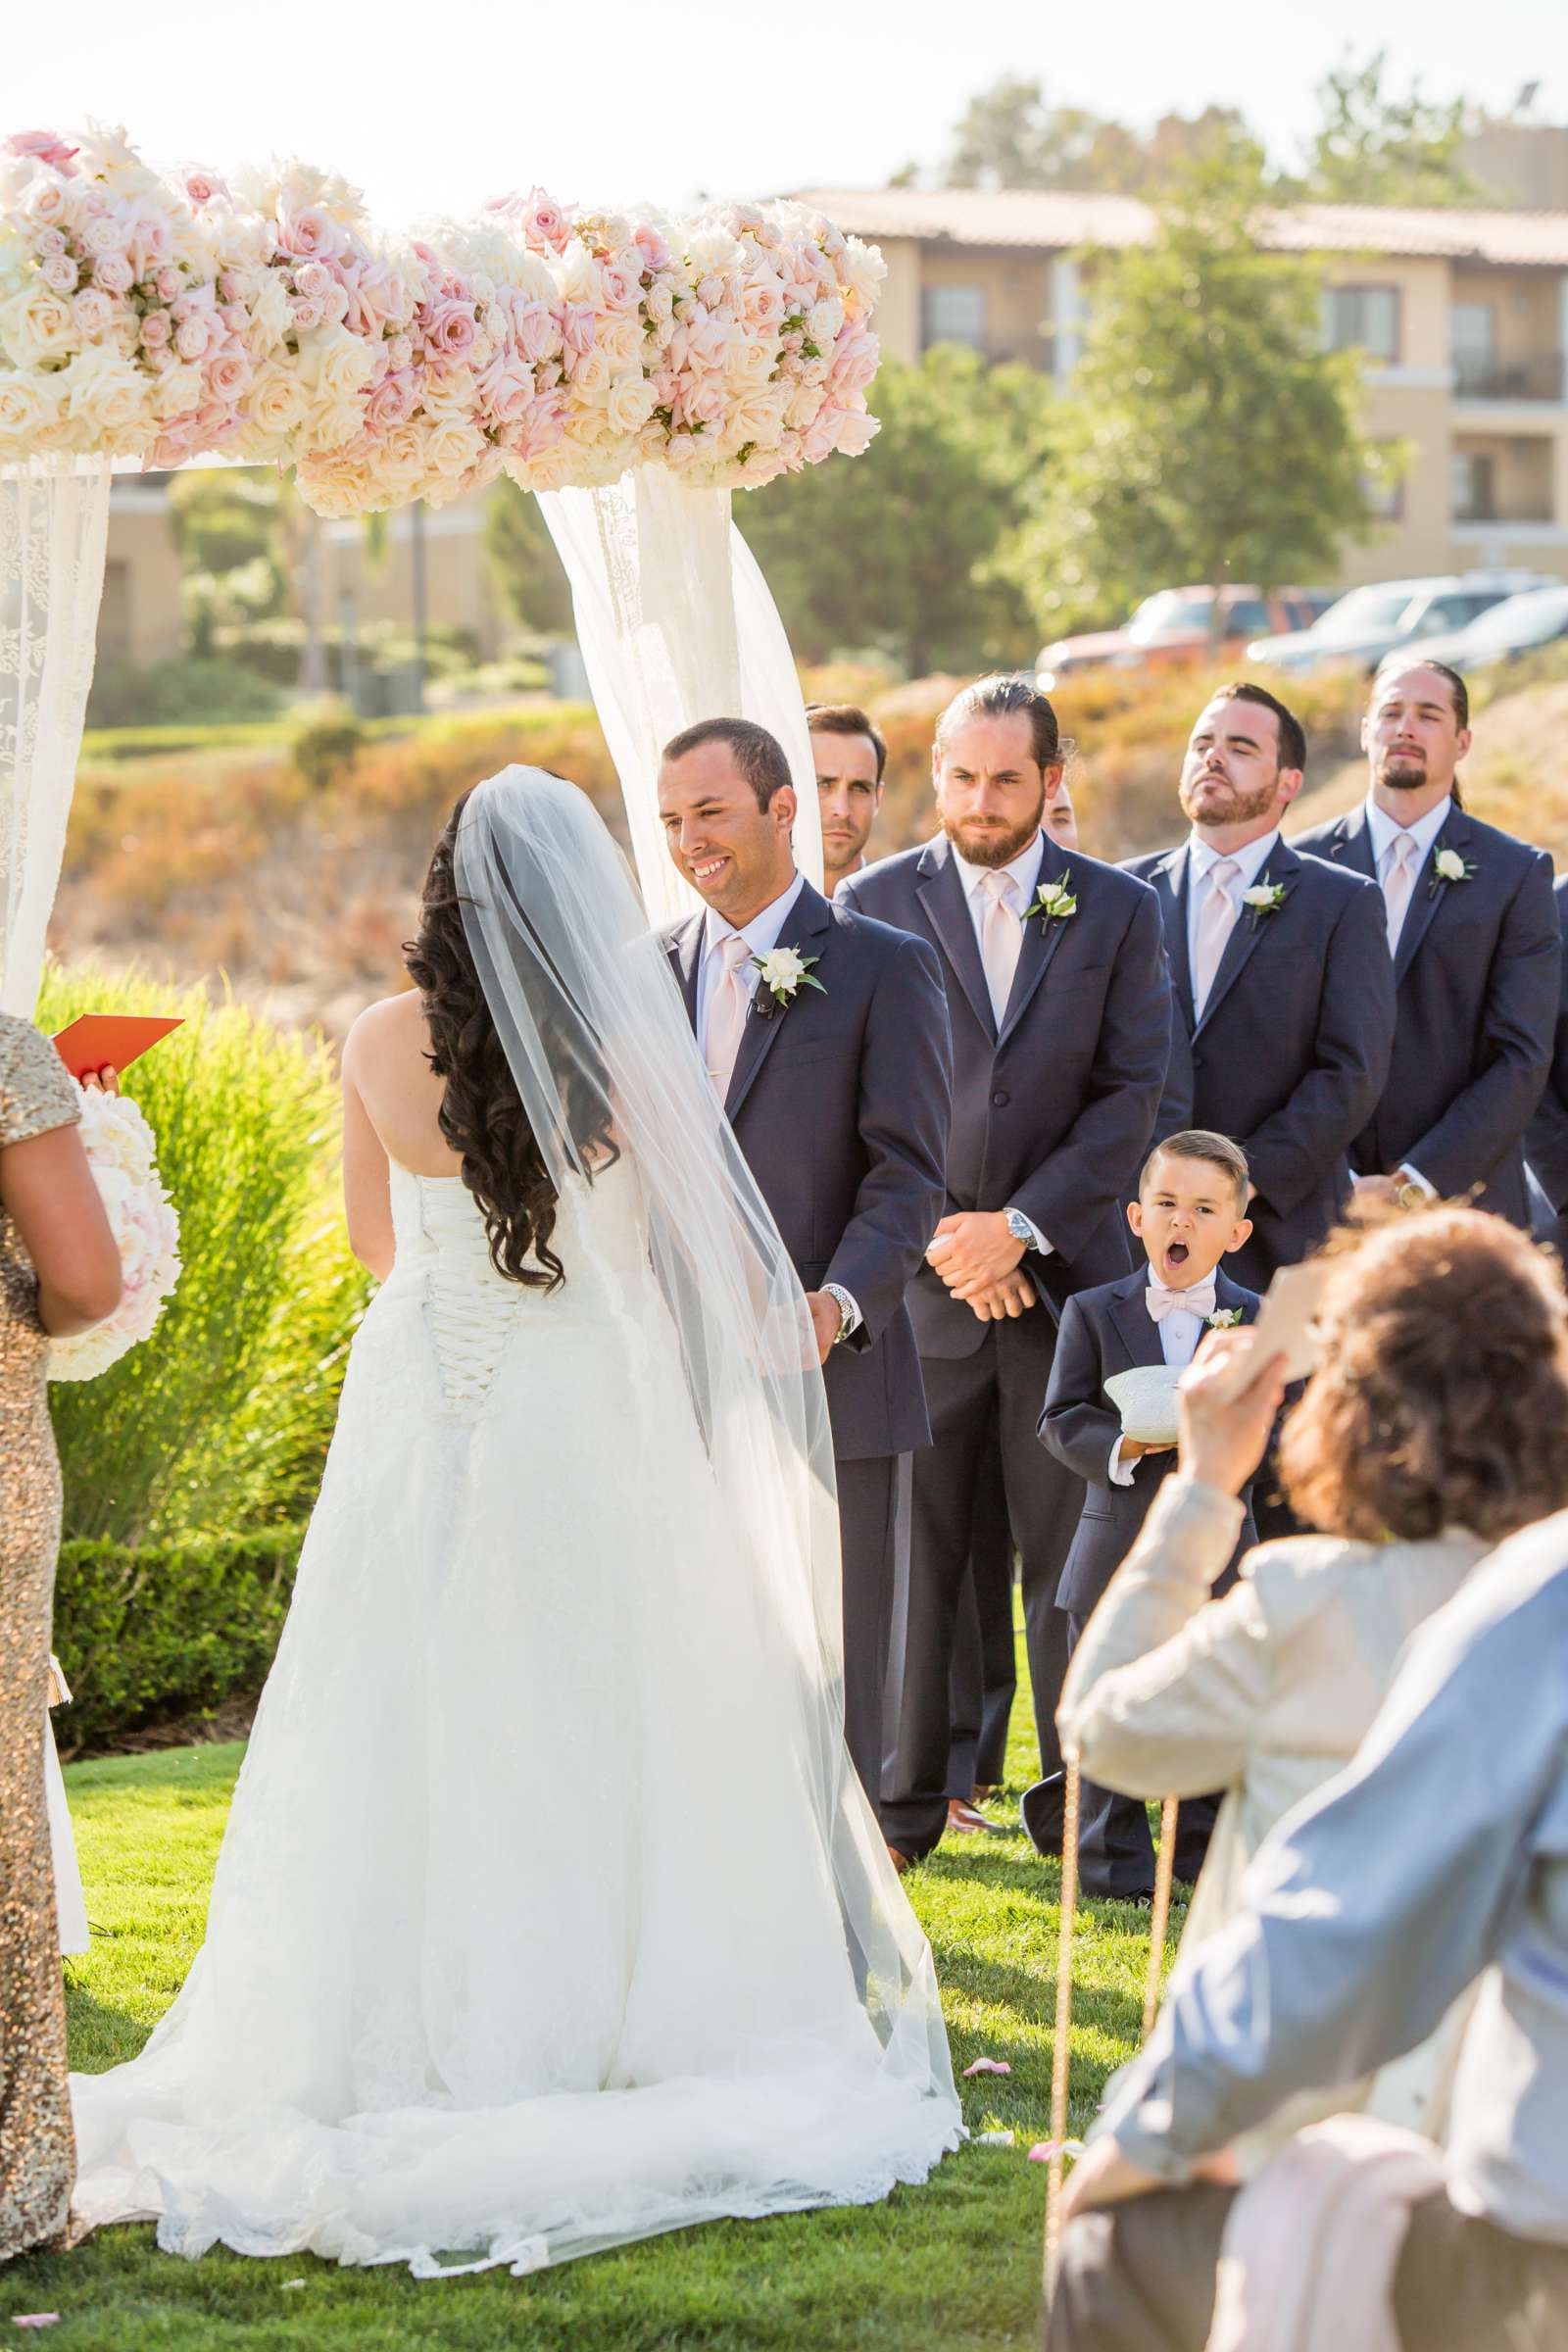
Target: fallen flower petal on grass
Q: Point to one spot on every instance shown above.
(986, 2066)
(35, 2318)
(992, 2139)
(1043, 2149)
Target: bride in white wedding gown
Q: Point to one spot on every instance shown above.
(550, 1914)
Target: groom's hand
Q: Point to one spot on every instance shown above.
(826, 1317)
(973, 1250)
(1013, 1296)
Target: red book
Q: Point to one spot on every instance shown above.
(102, 1041)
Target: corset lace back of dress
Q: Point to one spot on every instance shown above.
(472, 1311)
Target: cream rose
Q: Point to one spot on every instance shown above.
(36, 325)
(630, 403)
(592, 377)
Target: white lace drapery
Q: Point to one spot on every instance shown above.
(676, 624)
(54, 520)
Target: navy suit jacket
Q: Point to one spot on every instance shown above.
(840, 1102)
(1546, 1136)
(1104, 1332)
(1477, 973)
(1292, 1055)
(1053, 1112)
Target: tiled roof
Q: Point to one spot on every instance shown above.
(1056, 219)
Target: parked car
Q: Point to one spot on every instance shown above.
(1369, 623)
(1178, 626)
(1518, 625)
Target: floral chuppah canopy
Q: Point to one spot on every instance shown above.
(631, 370)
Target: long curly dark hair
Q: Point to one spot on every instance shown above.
(481, 1115)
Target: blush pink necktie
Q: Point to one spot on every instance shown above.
(1397, 883)
(1214, 926)
(727, 1008)
(1001, 939)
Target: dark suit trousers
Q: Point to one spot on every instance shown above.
(985, 1674)
(1007, 1375)
(1140, 2277)
(870, 1525)
(1115, 1851)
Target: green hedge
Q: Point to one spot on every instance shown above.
(155, 1632)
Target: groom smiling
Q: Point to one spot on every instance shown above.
(825, 1035)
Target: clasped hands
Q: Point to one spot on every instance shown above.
(979, 1261)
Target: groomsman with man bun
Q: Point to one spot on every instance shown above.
(851, 757)
(1055, 983)
(1284, 986)
(836, 1078)
(1477, 957)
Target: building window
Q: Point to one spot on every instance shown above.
(1383, 483)
(953, 315)
(1362, 318)
(1473, 334)
(1470, 473)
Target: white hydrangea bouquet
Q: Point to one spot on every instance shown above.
(121, 1153)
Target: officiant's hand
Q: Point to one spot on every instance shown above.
(1226, 1403)
(826, 1317)
(972, 1251)
(100, 1082)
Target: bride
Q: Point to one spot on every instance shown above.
(550, 1913)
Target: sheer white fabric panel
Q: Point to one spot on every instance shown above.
(676, 624)
(54, 520)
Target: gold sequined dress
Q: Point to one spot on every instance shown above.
(37, 2154)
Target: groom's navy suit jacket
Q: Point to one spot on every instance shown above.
(1052, 1112)
(1104, 1332)
(1290, 1056)
(1546, 1136)
(840, 1101)
(1476, 975)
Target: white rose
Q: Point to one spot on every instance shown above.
(592, 377)
(782, 968)
(757, 417)
(748, 365)
(106, 394)
(453, 448)
(343, 363)
(271, 312)
(630, 403)
(450, 397)
(713, 251)
(579, 275)
(37, 325)
(659, 301)
(335, 423)
(1262, 894)
(823, 321)
(803, 407)
(861, 270)
(276, 400)
(180, 388)
(621, 339)
(24, 407)
(1450, 865)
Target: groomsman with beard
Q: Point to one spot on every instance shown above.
(1284, 986)
(837, 1080)
(1055, 982)
(1476, 953)
(852, 757)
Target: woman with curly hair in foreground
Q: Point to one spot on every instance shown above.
(1434, 1425)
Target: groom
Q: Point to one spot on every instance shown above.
(834, 1065)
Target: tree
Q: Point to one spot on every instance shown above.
(1373, 148)
(1208, 436)
(1011, 138)
(896, 549)
(523, 562)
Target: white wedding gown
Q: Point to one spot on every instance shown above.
(523, 1941)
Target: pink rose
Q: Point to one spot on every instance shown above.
(113, 274)
(507, 390)
(155, 330)
(763, 303)
(170, 284)
(190, 339)
(854, 359)
(93, 311)
(854, 432)
(820, 437)
(306, 317)
(203, 187)
(705, 401)
(231, 286)
(400, 351)
(45, 201)
(452, 330)
(60, 272)
(620, 286)
(708, 339)
(175, 444)
(102, 234)
(392, 401)
(46, 146)
(544, 223)
(235, 317)
(577, 328)
(654, 252)
(315, 282)
(541, 428)
(148, 244)
(229, 375)
(48, 243)
(711, 290)
(535, 331)
(308, 232)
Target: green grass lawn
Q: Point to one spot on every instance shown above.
(953, 2267)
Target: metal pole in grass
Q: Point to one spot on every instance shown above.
(1164, 1879)
(1060, 2055)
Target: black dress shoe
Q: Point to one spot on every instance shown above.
(1042, 1811)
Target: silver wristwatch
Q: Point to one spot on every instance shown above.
(1021, 1230)
(849, 1312)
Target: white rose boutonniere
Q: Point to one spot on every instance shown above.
(1448, 867)
(1055, 903)
(1224, 1318)
(1264, 898)
(780, 973)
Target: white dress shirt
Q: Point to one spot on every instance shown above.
(1202, 859)
(1179, 1335)
(1384, 831)
(1025, 872)
(762, 936)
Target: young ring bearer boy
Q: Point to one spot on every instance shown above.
(1189, 1214)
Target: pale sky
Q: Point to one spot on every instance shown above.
(431, 108)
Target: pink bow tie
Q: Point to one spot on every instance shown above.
(1199, 1300)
